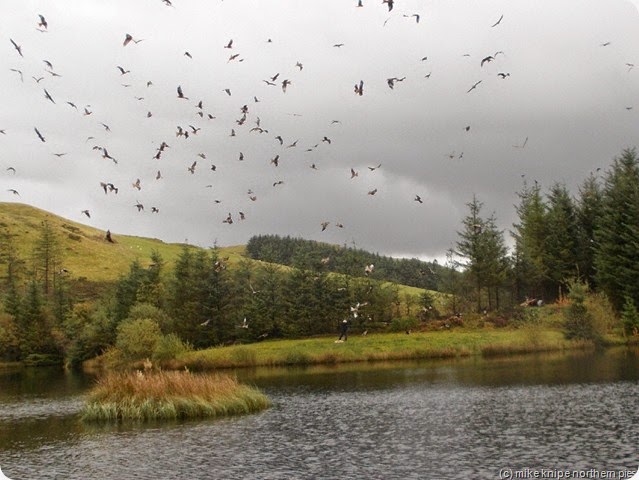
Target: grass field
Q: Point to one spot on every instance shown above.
(383, 346)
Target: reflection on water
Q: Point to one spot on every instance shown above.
(439, 419)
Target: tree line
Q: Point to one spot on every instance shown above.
(592, 238)
(309, 254)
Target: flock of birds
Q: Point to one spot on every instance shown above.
(44, 80)
(203, 120)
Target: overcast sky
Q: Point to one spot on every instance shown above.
(569, 98)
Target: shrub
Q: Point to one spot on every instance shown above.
(138, 339)
(403, 324)
(147, 310)
(578, 321)
(169, 347)
(630, 317)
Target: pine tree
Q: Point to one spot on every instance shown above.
(482, 245)
(530, 234)
(560, 247)
(617, 231)
(589, 207)
(47, 256)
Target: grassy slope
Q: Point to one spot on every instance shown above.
(86, 253)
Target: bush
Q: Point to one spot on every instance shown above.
(630, 317)
(138, 339)
(403, 324)
(578, 321)
(146, 310)
(169, 347)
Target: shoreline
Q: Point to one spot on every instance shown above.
(383, 347)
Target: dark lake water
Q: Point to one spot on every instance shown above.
(455, 419)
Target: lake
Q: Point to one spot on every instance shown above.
(469, 418)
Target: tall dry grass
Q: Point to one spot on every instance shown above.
(169, 395)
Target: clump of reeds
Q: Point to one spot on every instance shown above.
(169, 395)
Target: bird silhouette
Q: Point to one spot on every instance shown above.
(418, 199)
(487, 59)
(354, 173)
(48, 96)
(359, 89)
(474, 86)
(180, 94)
(87, 213)
(497, 22)
(15, 192)
(17, 47)
(39, 134)
(43, 23)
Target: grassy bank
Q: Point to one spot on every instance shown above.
(391, 346)
(169, 395)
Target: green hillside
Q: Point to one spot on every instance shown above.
(86, 253)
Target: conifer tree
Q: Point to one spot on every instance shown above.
(589, 206)
(617, 231)
(530, 234)
(560, 246)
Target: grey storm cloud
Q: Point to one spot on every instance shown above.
(568, 91)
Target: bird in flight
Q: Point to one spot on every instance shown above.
(19, 72)
(418, 199)
(487, 59)
(87, 213)
(497, 22)
(128, 38)
(413, 15)
(230, 44)
(522, 145)
(390, 4)
(43, 23)
(372, 192)
(474, 86)
(324, 225)
(17, 47)
(180, 94)
(15, 192)
(372, 169)
(391, 81)
(122, 70)
(39, 134)
(354, 173)
(359, 89)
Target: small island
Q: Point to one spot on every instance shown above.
(145, 396)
